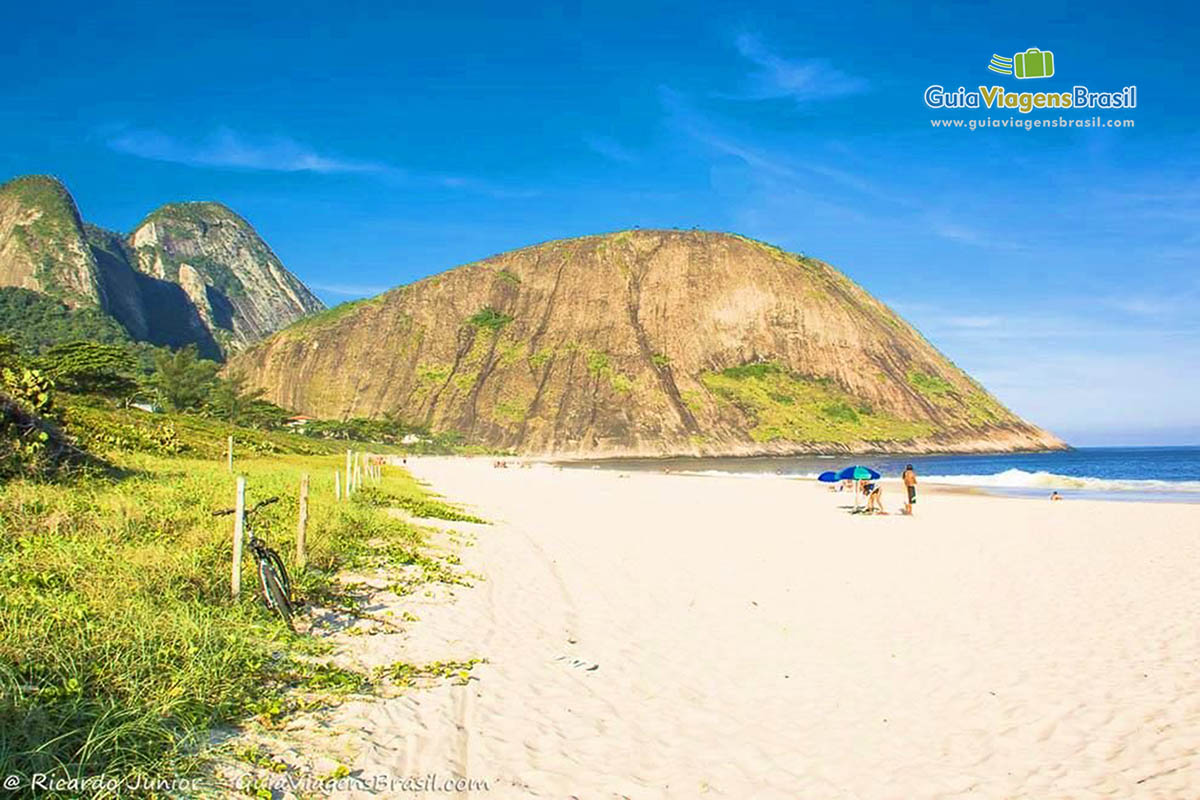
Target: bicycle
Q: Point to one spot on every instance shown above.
(272, 576)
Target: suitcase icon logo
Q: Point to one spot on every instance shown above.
(1033, 63)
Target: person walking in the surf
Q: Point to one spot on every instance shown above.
(910, 485)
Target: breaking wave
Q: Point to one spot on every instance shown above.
(1021, 479)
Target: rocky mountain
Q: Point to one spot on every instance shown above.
(190, 273)
(236, 284)
(640, 343)
(43, 246)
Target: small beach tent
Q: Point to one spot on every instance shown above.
(858, 473)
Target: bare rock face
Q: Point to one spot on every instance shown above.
(239, 287)
(191, 273)
(43, 246)
(640, 343)
(122, 293)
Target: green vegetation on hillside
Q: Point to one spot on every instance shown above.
(789, 407)
(47, 195)
(980, 407)
(92, 368)
(197, 212)
(105, 382)
(37, 321)
(307, 325)
(929, 385)
(599, 365)
(489, 318)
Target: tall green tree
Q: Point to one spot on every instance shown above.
(183, 379)
(92, 367)
(230, 400)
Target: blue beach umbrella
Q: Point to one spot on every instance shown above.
(828, 477)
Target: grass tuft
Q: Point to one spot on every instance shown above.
(489, 318)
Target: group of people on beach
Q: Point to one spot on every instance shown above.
(874, 493)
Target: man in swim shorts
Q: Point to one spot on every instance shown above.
(910, 485)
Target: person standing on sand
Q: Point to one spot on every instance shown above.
(874, 493)
(910, 485)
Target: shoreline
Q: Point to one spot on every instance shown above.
(1113, 474)
(926, 486)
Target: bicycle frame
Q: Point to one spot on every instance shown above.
(266, 559)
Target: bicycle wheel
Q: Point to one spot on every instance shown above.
(273, 592)
(280, 571)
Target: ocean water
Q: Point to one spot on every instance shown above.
(1165, 474)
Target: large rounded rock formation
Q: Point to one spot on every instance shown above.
(651, 342)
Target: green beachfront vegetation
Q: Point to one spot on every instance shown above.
(120, 645)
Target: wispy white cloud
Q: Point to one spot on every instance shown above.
(825, 181)
(229, 149)
(1143, 306)
(610, 148)
(698, 127)
(1177, 303)
(943, 227)
(976, 321)
(478, 186)
(803, 79)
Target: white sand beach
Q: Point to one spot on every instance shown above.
(753, 639)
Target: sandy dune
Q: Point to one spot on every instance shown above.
(755, 640)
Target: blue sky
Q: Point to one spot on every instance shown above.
(375, 144)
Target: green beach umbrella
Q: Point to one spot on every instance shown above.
(858, 473)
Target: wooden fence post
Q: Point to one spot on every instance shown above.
(337, 484)
(229, 453)
(239, 523)
(349, 477)
(302, 525)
